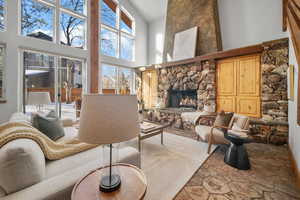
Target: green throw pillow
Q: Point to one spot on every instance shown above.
(50, 126)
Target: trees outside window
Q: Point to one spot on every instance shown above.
(38, 21)
(117, 31)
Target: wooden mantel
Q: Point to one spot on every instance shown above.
(214, 56)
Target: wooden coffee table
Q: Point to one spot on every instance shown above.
(149, 129)
(133, 185)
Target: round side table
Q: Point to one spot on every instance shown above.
(133, 186)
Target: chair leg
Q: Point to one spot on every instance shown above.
(210, 141)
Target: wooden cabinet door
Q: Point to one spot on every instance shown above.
(249, 106)
(226, 78)
(153, 89)
(146, 89)
(149, 88)
(248, 76)
(238, 85)
(226, 103)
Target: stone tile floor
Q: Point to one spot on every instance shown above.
(270, 177)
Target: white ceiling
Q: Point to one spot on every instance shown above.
(151, 9)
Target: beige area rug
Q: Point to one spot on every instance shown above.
(169, 167)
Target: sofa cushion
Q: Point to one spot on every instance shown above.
(50, 126)
(54, 168)
(204, 132)
(22, 164)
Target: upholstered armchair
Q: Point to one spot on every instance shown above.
(238, 126)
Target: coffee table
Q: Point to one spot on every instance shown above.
(133, 185)
(150, 129)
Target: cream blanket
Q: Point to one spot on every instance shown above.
(52, 150)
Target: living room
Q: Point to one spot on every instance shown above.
(156, 100)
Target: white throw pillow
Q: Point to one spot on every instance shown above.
(20, 117)
(22, 164)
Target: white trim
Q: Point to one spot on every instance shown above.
(4, 78)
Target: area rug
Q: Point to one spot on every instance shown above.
(169, 167)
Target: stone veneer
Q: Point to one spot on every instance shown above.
(272, 128)
(274, 64)
(185, 14)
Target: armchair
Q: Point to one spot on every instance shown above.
(238, 126)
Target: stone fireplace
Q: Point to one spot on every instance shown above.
(187, 86)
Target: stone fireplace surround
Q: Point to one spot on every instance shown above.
(201, 77)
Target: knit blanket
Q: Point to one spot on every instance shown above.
(52, 150)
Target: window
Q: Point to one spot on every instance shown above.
(62, 81)
(117, 33)
(72, 30)
(117, 80)
(39, 20)
(2, 15)
(2, 57)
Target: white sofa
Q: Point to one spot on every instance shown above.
(26, 174)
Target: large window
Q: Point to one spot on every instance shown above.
(39, 21)
(117, 80)
(58, 78)
(2, 15)
(117, 31)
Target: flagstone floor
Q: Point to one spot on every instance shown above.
(270, 177)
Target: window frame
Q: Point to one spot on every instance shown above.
(56, 67)
(119, 10)
(58, 9)
(117, 71)
(3, 97)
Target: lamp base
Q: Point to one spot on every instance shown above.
(107, 186)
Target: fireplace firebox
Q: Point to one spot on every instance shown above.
(184, 99)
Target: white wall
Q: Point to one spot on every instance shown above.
(243, 23)
(249, 22)
(294, 129)
(156, 40)
(141, 40)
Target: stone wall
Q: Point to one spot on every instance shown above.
(185, 14)
(197, 76)
(271, 128)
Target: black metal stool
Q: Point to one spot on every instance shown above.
(236, 155)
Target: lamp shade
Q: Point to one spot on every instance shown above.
(108, 119)
(38, 98)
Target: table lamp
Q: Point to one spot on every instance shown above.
(38, 99)
(108, 119)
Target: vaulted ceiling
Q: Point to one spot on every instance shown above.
(151, 9)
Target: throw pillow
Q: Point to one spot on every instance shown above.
(50, 126)
(223, 119)
(22, 165)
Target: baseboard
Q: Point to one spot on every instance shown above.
(295, 167)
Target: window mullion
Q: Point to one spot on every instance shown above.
(57, 21)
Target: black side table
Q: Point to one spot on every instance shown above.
(236, 155)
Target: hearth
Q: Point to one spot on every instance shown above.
(183, 99)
